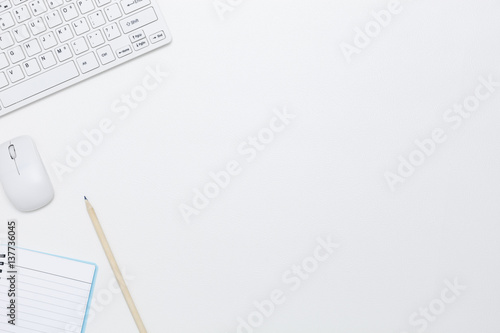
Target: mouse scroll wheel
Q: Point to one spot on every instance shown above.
(12, 152)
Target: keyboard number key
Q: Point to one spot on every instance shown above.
(31, 67)
(6, 21)
(63, 52)
(38, 7)
(112, 31)
(22, 14)
(87, 62)
(48, 40)
(47, 60)
(54, 3)
(5, 5)
(106, 55)
(18, 2)
(113, 12)
(15, 74)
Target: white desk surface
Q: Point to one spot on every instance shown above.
(322, 175)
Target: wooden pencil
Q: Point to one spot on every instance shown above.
(114, 266)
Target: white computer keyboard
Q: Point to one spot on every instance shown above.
(48, 45)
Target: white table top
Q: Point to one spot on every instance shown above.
(319, 174)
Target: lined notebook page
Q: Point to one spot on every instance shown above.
(52, 293)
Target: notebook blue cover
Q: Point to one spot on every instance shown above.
(44, 293)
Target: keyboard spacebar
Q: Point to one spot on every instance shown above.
(39, 84)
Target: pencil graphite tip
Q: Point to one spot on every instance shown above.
(85, 197)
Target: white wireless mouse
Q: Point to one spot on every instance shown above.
(23, 175)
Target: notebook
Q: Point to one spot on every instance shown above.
(52, 293)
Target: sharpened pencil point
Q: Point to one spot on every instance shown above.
(85, 197)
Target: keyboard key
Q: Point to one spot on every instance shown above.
(6, 40)
(15, 74)
(53, 19)
(87, 62)
(22, 14)
(106, 55)
(96, 38)
(64, 33)
(3, 61)
(81, 26)
(38, 84)
(54, 3)
(47, 60)
(112, 31)
(16, 54)
(101, 3)
(138, 35)
(32, 47)
(69, 12)
(6, 21)
(124, 51)
(48, 40)
(85, 6)
(63, 52)
(21, 33)
(138, 20)
(3, 80)
(38, 7)
(4, 6)
(113, 12)
(132, 5)
(31, 67)
(37, 26)
(140, 44)
(18, 2)
(79, 45)
(97, 19)
(155, 38)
